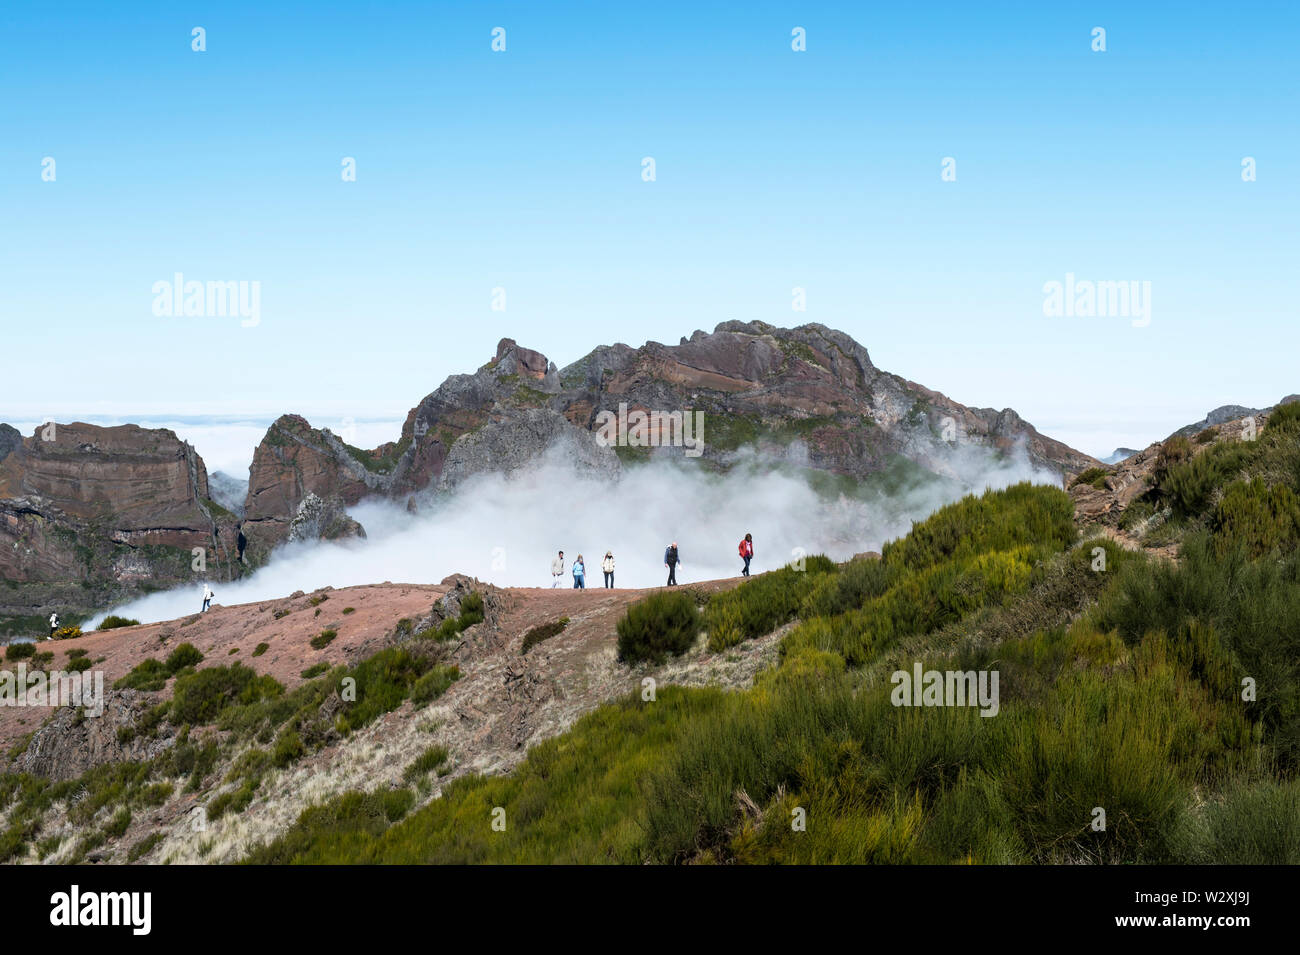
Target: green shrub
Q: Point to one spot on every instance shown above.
(425, 763)
(20, 651)
(1259, 518)
(148, 674)
(233, 800)
(112, 622)
(117, 826)
(542, 632)
(344, 819)
(663, 623)
(288, 747)
(151, 675)
(1189, 485)
(1252, 607)
(433, 684)
(857, 582)
(761, 604)
(383, 683)
(323, 639)
(1247, 825)
(315, 670)
(1092, 477)
(1024, 514)
(144, 846)
(185, 655)
(260, 649)
(470, 613)
(199, 697)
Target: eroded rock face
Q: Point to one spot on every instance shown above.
(87, 514)
(318, 519)
(1131, 478)
(293, 462)
(809, 395)
(70, 742)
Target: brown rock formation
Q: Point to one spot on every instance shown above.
(88, 514)
(809, 395)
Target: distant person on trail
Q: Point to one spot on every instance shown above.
(557, 570)
(747, 553)
(671, 560)
(241, 541)
(207, 597)
(607, 565)
(579, 574)
(54, 624)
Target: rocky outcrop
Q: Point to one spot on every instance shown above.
(808, 395)
(90, 515)
(10, 439)
(1103, 503)
(70, 742)
(1226, 413)
(295, 461)
(318, 519)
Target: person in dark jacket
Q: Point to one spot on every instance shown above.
(671, 560)
(747, 553)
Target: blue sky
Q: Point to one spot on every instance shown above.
(522, 170)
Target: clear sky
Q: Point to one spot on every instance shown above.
(522, 170)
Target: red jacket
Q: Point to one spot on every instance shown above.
(746, 549)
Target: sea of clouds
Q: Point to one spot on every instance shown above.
(505, 530)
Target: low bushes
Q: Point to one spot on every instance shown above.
(199, 697)
(112, 622)
(323, 639)
(543, 632)
(20, 651)
(661, 624)
(471, 612)
(151, 675)
(433, 684)
(761, 604)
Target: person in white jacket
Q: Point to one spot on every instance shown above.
(607, 565)
(207, 597)
(54, 624)
(557, 570)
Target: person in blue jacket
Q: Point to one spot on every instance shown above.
(579, 574)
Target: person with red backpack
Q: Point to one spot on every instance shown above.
(747, 552)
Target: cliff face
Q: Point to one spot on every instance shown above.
(809, 395)
(303, 474)
(89, 514)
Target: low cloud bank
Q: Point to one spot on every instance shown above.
(505, 530)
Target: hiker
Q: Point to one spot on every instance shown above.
(54, 624)
(241, 541)
(579, 574)
(557, 570)
(671, 560)
(607, 565)
(747, 553)
(207, 597)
